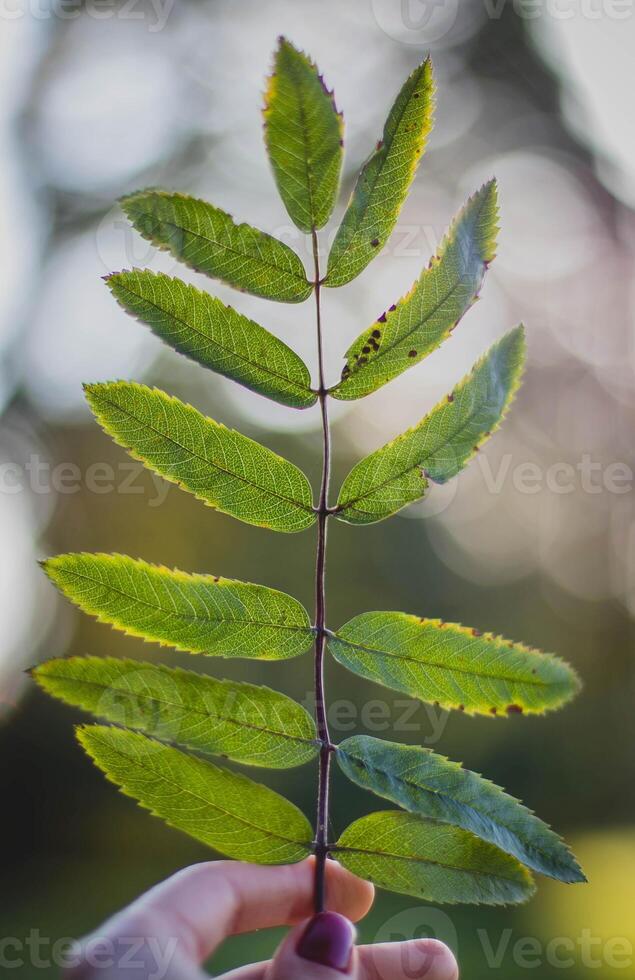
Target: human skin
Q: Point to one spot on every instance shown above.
(170, 931)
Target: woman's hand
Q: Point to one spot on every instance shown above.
(171, 930)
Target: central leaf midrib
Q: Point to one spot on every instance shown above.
(202, 799)
(191, 710)
(183, 616)
(228, 350)
(446, 797)
(537, 682)
(388, 348)
(425, 860)
(364, 210)
(352, 503)
(203, 459)
(244, 254)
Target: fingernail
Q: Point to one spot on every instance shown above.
(328, 939)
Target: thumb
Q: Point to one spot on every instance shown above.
(322, 948)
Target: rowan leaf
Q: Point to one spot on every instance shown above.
(243, 722)
(225, 810)
(225, 469)
(193, 613)
(418, 323)
(384, 181)
(208, 240)
(303, 133)
(440, 445)
(453, 666)
(406, 853)
(214, 335)
(423, 782)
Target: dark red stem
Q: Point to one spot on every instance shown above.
(321, 833)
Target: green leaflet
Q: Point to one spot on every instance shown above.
(384, 181)
(455, 667)
(214, 335)
(208, 240)
(303, 133)
(194, 613)
(423, 782)
(249, 724)
(441, 444)
(407, 854)
(424, 317)
(220, 466)
(227, 811)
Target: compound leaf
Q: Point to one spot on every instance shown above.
(423, 782)
(424, 317)
(194, 613)
(455, 667)
(249, 724)
(225, 469)
(214, 335)
(303, 133)
(208, 240)
(439, 446)
(408, 854)
(234, 815)
(384, 181)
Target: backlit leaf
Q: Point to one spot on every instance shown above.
(234, 815)
(424, 317)
(225, 469)
(439, 446)
(451, 665)
(384, 181)
(214, 335)
(408, 854)
(303, 132)
(423, 782)
(208, 240)
(249, 724)
(194, 613)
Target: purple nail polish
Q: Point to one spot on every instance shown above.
(328, 939)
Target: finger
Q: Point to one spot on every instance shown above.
(201, 905)
(323, 948)
(424, 958)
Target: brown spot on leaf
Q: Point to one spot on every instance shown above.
(374, 242)
(380, 143)
(461, 707)
(377, 333)
(514, 709)
(366, 350)
(476, 633)
(493, 711)
(450, 398)
(382, 318)
(412, 353)
(392, 307)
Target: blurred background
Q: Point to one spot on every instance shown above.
(535, 540)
